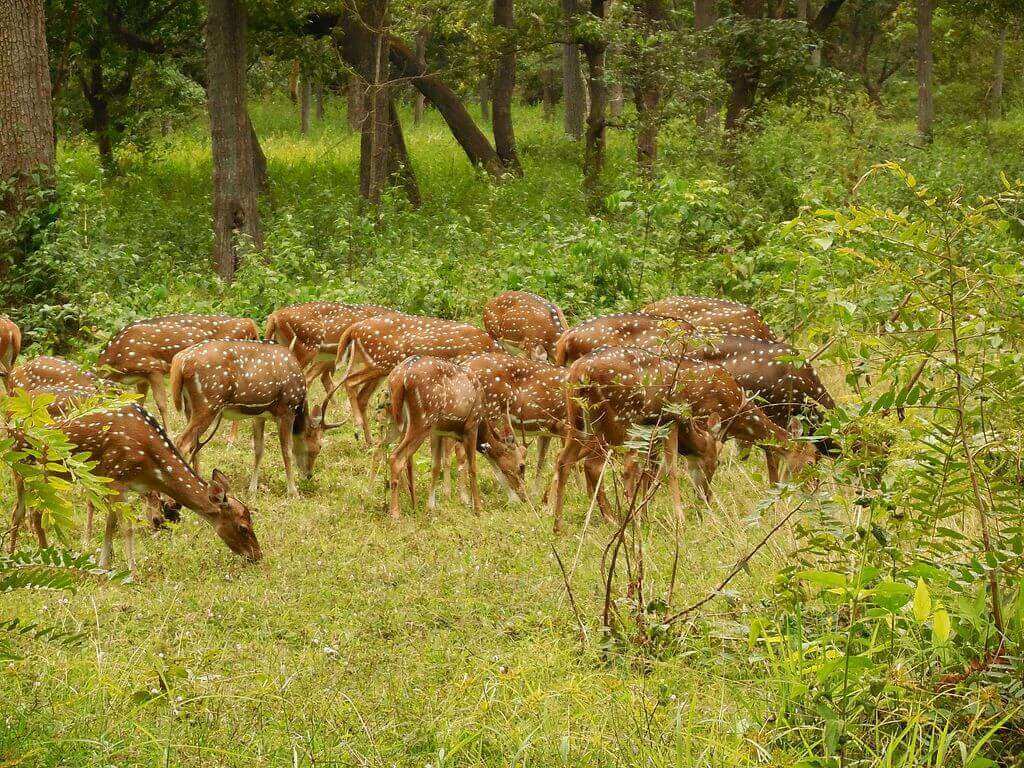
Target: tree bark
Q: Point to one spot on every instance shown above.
(805, 12)
(744, 76)
(235, 209)
(483, 95)
(355, 106)
(293, 82)
(504, 88)
(925, 103)
(375, 148)
(573, 97)
(547, 93)
(648, 86)
(400, 165)
(26, 116)
(998, 75)
(616, 100)
(419, 101)
(259, 160)
(705, 14)
(320, 104)
(305, 100)
(594, 48)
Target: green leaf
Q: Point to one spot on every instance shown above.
(922, 602)
(825, 578)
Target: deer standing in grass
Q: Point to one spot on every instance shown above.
(524, 322)
(715, 315)
(530, 393)
(248, 379)
(437, 399)
(630, 329)
(10, 346)
(141, 353)
(132, 449)
(614, 389)
(312, 330)
(370, 349)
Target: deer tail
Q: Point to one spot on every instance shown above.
(270, 331)
(181, 368)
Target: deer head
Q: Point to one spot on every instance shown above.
(231, 519)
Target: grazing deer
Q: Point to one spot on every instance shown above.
(132, 449)
(141, 353)
(10, 346)
(711, 314)
(783, 388)
(524, 322)
(47, 371)
(370, 349)
(312, 331)
(614, 389)
(530, 393)
(631, 329)
(248, 379)
(435, 398)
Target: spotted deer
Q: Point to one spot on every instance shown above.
(530, 393)
(435, 398)
(370, 349)
(248, 379)
(47, 371)
(135, 453)
(141, 353)
(630, 329)
(714, 315)
(524, 322)
(312, 331)
(10, 346)
(615, 389)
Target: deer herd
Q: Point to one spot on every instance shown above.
(699, 371)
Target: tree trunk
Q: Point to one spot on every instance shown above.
(925, 103)
(483, 95)
(259, 160)
(547, 93)
(419, 101)
(375, 149)
(616, 100)
(647, 92)
(355, 102)
(472, 140)
(293, 82)
(998, 76)
(305, 100)
(320, 104)
(705, 14)
(504, 88)
(26, 116)
(400, 165)
(805, 12)
(594, 48)
(573, 97)
(743, 76)
(234, 179)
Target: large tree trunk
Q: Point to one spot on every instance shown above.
(375, 150)
(925, 103)
(305, 102)
(743, 76)
(355, 102)
(293, 82)
(483, 97)
(504, 88)
(235, 209)
(805, 12)
(547, 92)
(26, 117)
(573, 97)
(259, 160)
(705, 14)
(995, 104)
(320, 104)
(419, 101)
(647, 91)
(594, 48)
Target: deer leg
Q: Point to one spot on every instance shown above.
(129, 538)
(36, 520)
(771, 460)
(469, 446)
(284, 433)
(461, 477)
(107, 550)
(437, 457)
(188, 440)
(593, 465)
(400, 458)
(543, 443)
(90, 512)
(567, 458)
(18, 515)
(156, 383)
(258, 443)
(672, 470)
(233, 434)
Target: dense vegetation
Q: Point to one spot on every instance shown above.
(873, 615)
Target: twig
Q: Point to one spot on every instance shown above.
(572, 599)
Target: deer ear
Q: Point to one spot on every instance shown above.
(219, 487)
(715, 425)
(796, 428)
(316, 416)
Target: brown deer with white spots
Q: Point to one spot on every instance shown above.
(248, 379)
(370, 349)
(715, 315)
(10, 346)
(524, 322)
(784, 389)
(530, 393)
(614, 389)
(437, 399)
(312, 330)
(47, 371)
(630, 329)
(132, 449)
(141, 353)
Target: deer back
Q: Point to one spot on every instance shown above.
(524, 321)
(47, 371)
(530, 392)
(711, 314)
(387, 340)
(10, 343)
(635, 329)
(433, 392)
